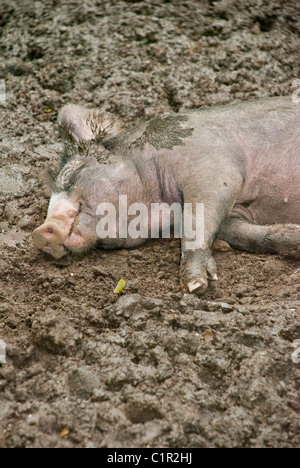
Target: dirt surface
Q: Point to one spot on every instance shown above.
(84, 367)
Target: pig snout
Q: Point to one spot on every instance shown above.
(50, 238)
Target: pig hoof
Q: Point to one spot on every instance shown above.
(197, 287)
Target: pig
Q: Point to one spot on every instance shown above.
(240, 161)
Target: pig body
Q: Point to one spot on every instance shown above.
(241, 161)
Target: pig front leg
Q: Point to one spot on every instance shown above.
(216, 194)
(197, 266)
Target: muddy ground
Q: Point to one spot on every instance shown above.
(85, 368)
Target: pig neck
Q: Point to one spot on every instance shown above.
(156, 174)
(142, 171)
(140, 180)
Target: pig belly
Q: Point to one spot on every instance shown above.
(271, 193)
(272, 206)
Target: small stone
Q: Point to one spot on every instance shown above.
(126, 305)
(221, 246)
(226, 307)
(33, 419)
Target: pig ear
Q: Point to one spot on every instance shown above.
(46, 180)
(81, 125)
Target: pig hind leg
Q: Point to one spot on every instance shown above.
(283, 239)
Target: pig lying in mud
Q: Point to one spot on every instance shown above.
(240, 162)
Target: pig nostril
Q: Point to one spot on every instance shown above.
(47, 236)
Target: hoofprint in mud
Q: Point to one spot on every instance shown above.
(240, 161)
